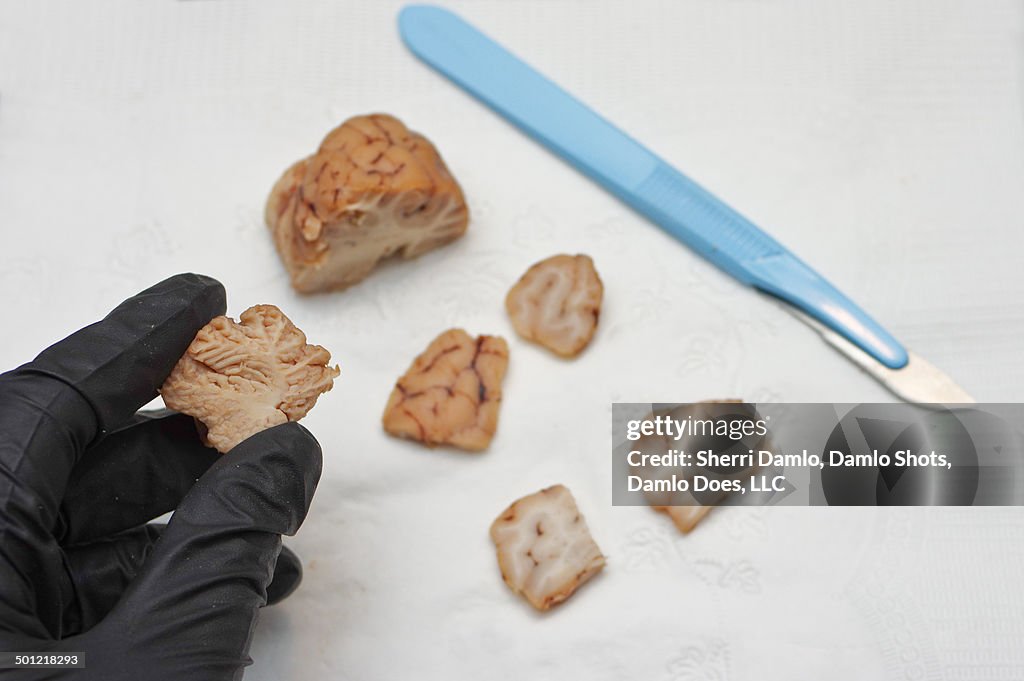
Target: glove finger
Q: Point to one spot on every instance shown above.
(37, 450)
(118, 363)
(287, 576)
(101, 571)
(203, 584)
(134, 474)
(53, 407)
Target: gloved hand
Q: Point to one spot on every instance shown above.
(80, 475)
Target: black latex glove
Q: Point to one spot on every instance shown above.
(80, 475)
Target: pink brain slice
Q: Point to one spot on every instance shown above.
(239, 378)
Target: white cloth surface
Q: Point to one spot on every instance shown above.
(881, 140)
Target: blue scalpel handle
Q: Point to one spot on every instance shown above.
(636, 175)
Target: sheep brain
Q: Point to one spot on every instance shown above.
(556, 303)
(373, 189)
(451, 393)
(545, 550)
(684, 507)
(239, 378)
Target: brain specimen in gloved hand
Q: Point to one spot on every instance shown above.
(373, 189)
(238, 378)
(557, 303)
(451, 393)
(545, 550)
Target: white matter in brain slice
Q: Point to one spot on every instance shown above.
(557, 303)
(544, 547)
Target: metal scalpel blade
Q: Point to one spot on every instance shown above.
(918, 381)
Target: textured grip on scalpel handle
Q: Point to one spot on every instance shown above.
(693, 215)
